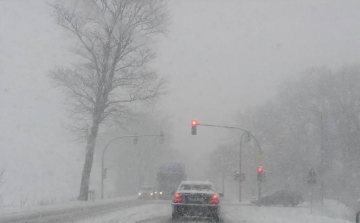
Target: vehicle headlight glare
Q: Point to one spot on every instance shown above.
(151, 194)
(160, 192)
(139, 193)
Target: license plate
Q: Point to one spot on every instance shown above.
(195, 199)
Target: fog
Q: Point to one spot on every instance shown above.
(221, 58)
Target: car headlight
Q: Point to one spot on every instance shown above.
(151, 194)
(155, 192)
(139, 194)
(160, 192)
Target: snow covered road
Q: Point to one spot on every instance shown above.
(232, 212)
(135, 211)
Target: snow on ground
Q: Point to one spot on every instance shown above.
(10, 211)
(331, 212)
(133, 214)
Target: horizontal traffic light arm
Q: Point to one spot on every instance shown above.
(233, 127)
(224, 126)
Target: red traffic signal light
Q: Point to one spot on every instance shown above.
(193, 127)
(194, 122)
(259, 169)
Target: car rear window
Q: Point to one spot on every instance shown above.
(201, 187)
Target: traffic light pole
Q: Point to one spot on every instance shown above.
(241, 139)
(240, 156)
(322, 159)
(321, 152)
(106, 147)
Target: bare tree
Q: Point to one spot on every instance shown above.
(113, 66)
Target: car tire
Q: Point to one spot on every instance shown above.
(216, 218)
(174, 216)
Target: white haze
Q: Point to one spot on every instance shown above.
(220, 56)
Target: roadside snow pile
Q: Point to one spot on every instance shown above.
(336, 210)
(332, 212)
(13, 211)
(133, 214)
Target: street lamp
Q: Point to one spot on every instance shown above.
(321, 150)
(103, 170)
(246, 133)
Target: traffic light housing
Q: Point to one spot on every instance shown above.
(193, 127)
(236, 175)
(239, 176)
(260, 174)
(242, 177)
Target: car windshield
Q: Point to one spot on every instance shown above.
(135, 110)
(146, 188)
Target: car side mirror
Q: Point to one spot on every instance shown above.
(172, 193)
(221, 195)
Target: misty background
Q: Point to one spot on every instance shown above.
(221, 59)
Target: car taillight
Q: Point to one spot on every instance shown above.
(214, 199)
(177, 198)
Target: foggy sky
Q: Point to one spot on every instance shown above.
(220, 56)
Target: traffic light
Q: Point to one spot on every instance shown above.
(260, 173)
(193, 127)
(242, 177)
(236, 175)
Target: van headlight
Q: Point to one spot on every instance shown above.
(139, 194)
(151, 194)
(160, 192)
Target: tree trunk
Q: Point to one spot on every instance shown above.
(85, 179)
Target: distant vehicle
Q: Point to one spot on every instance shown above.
(146, 192)
(196, 199)
(281, 197)
(169, 178)
(157, 193)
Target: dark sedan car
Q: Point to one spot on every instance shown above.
(196, 199)
(281, 197)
